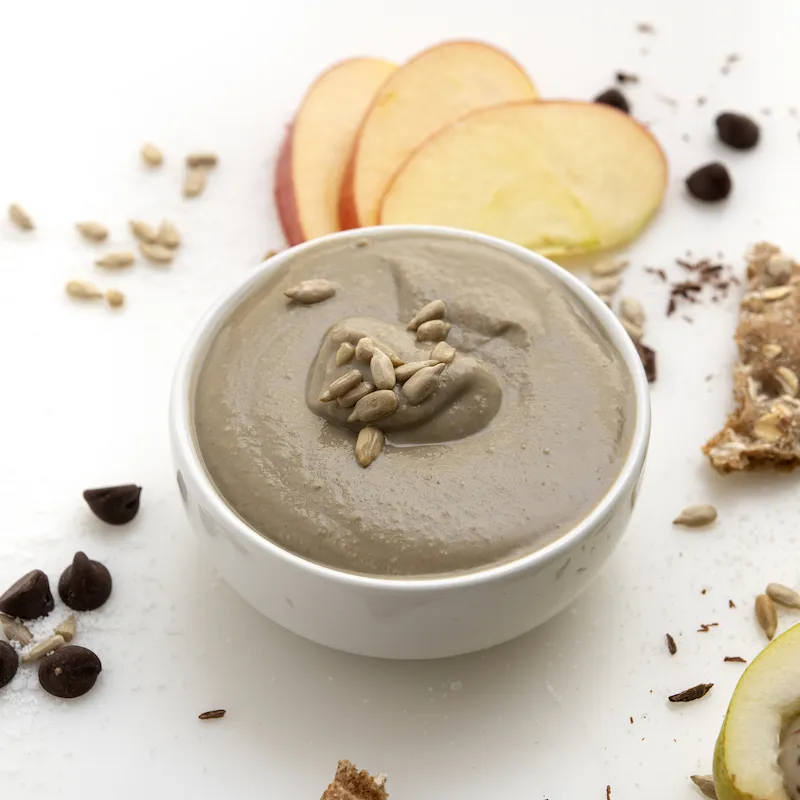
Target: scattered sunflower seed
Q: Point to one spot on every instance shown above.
(168, 235)
(115, 298)
(374, 406)
(606, 267)
(606, 285)
(695, 693)
(68, 628)
(354, 395)
(83, 290)
(434, 310)
(118, 259)
(788, 380)
(93, 231)
(775, 293)
(779, 269)
(345, 352)
(151, 155)
(20, 217)
(767, 615)
(632, 310)
(783, 595)
(202, 159)
(16, 631)
(422, 384)
(195, 182)
(443, 353)
(771, 350)
(342, 385)
(435, 330)
(369, 445)
(143, 231)
(217, 713)
(43, 648)
(382, 370)
(407, 370)
(705, 783)
(636, 332)
(767, 427)
(696, 516)
(366, 346)
(311, 291)
(156, 253)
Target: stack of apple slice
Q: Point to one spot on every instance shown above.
(457, 136)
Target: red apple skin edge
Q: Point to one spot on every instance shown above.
(285, 199)
(348, 215)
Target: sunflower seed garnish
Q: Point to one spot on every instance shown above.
(436, 309)
(443, 353)
(605, 286)
(83, 290)
(369, 445)
(115, 298)
(341, 385)
(407, 370)
(93, 231)
(382, 370)
(779, 269)
(775, 293)
(434, 331)
(422, 384)
(15, 631)
(195, 182)
(43, 648)
(344, 353)
(202, 159)
(366, 348)
(20, 217)
(311, 291)
(118, 259)
(156, 253)
(606, 267)
(767, 615)
(705, 783)
(354, 395)
(696, 516)
(632, 310)
(771, 351)
(151, 155)
(168, 235)
(783, 595)
(68, 628)
(788, 380)
(143, 231)
(374, 406)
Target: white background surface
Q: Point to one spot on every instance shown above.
(84, 398)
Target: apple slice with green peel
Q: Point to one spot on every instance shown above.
(311, 164)
(757, 756)
(433, 89)
(563, 178)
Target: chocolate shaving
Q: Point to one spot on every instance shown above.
(626, 77)
(706, 627)
(216, 714)
(671, 646)
(695, 693)
(648, 357)
(731, 604)
(735, 659)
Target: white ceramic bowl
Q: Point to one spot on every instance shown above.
(395, 617)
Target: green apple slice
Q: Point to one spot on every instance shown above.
(757, 756)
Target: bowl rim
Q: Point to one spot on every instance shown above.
(196, 348)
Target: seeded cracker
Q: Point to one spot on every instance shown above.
(350, 784)
(764, 429)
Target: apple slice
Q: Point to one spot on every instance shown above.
(756, 757)
(433, 89)
(561, 177)
(314, 153)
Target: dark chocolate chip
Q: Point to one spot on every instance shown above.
(30, 597)
(626, 77)
(614, 98)
(737, 130)
(69, 672)
(85, 584)
(710, 183)
(115, 505)
(9, 661)
(648, 357)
